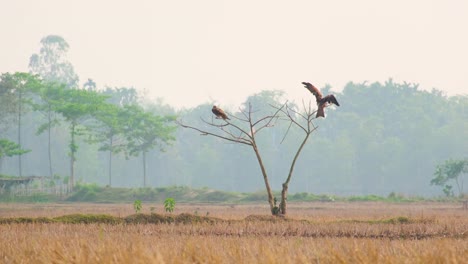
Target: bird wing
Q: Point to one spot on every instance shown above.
(314, 90)
(222, 113)
(331, 99)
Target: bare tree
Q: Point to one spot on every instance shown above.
(244, 129)
(304, 122)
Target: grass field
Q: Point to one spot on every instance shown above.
(370, 232)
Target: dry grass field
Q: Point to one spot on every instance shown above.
(313, 233)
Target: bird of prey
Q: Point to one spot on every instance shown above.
(322, 101)
(219, 113)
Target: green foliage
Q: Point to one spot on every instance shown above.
(448, 190)
(9, 149)
(77, 106)
(450, 171)
(169, 205)
(303, 196)
(217, 196)
(137, 206)
(385, 137)
(85, 193)
(49, 94)
(144, 130)
(368, 198)
(34, 198)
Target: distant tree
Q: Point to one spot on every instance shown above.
(144, 131)
(77, 107)
(49, 94)
(112, 120)
(451, 170)
(17, 86)
(109, 132)
(51, 62)
(9, 149)
(244, 130)
(303, 121)
(8, 100)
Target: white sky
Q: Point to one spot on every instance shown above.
(191, 52)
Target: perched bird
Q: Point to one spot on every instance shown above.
(322, 101)
(219, 113)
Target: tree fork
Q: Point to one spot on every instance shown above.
(247, 137)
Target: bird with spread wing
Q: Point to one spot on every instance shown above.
(322, 101)
(219, 113)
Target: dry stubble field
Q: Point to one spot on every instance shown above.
(368, 232)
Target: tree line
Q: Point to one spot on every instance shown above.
(83, 114)
(385, 137)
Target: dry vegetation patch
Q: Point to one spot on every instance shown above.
(395, 234)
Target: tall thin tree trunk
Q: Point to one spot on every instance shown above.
(284, 191)
(72, 157)
(144, 168)
(51, 174)
(110, 161)
(265, 178)
(20, 167)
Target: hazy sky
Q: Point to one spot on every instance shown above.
(191, 52)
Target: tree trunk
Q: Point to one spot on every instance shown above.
(265, 178)
(460, 188)
(49, 148)
(72, 157)
(20, 167)
(284, 192)
(284, 197)
(110, 161)
(144, 168)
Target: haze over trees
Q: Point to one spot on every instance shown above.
(386, 137)
(53, 91)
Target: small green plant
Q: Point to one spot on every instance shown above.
(137, 206)
(169, 205)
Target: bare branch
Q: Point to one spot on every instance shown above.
(291, 118)
(297, 113)
(240, 119)
(287, 131)
(267, 124)
(213, 124)
(243, 113)
(227, 123)
(240, 137)
(235, 139)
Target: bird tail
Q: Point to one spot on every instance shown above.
(320, 111)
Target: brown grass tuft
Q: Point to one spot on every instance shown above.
(337, 233)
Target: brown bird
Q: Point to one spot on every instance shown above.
(219, 113)
(322, 101)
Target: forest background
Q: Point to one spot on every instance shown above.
(385, 137)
